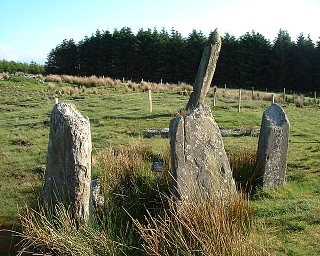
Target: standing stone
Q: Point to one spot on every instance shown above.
(206, 70)
(199, 161)
(273, 147)
(68, 165)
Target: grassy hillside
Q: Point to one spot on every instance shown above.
(287, 218)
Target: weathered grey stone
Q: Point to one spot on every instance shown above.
(162, 132)
(273, 147)
(97, 198)
(206, 70)
(157, 166)
(199, 161)
(68, 165)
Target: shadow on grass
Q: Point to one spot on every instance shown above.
(10, 234)
(8, 240)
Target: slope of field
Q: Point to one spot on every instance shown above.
(287, 218)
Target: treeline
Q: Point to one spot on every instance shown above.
(13, 67)
(250, 60)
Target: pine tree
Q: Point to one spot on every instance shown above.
(282, 61)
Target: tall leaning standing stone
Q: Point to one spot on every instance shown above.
(68, 165)
(199, 161)
(273, 147)
(206, 70)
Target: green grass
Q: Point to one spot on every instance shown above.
(287, 218)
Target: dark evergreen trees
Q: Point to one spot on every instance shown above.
(303, 55)
(191, 56)
(316, 69)
(227, 70)
(250, 60)
(63, 59)
(253, 54)
(281, 61)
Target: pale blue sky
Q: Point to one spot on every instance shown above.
(29, 29)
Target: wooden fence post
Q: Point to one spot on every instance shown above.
(239, 105)
(150, 101)
(284, 94)
(214, 95)
(272, 98)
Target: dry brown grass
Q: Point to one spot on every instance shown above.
(136, 198)
(59, 234)
(129, 86)
(53, 78)
(299, 101)
(69, 90)
(143, 86)
(123, 163)
(203, 227)
(243, 163)
(51, 87)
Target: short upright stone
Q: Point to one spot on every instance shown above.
(68, 165)
(199, 161)
(273, 147)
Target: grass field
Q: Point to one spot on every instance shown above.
(287, 219)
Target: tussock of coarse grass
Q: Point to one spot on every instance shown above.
(91, 81)
(299, 101)
(243, 163)
(181, 88)
(207, 226)
(4, 75)
(129, 86)
(127, 171)
(53, 78)
(140, 215)
(124, 163)
(46, 234)
(69, 90)
(130, 189)
(51, 86)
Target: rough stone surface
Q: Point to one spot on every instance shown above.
(68, 165)
(199, 160)
(162, 132)
(206, 70)
(97, 198)
(273, 147)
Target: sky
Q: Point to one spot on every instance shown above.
(30, 29)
